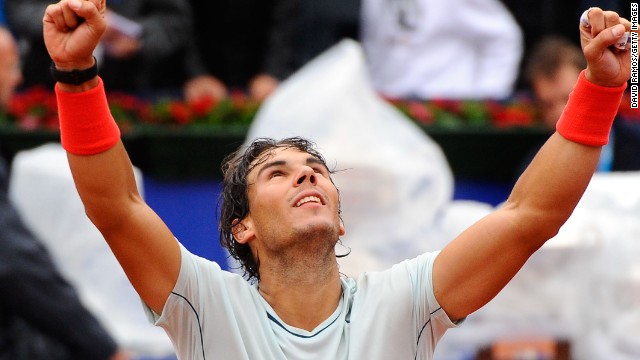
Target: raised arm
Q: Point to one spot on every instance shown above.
(476, 265)
(101, 168)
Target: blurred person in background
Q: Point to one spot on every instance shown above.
(10, 72)
(453, 49)
(552, 70)
(241, 46)
(142, 37)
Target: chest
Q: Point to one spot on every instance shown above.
(366, 332)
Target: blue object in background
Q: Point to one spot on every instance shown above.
(3, 20)
(189, 208)
(491, 192)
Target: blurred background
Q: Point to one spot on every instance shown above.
(463, 91)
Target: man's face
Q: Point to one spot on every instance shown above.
(10, 73)
(553, 93)
(293, 206)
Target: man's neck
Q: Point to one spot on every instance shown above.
(303, 300)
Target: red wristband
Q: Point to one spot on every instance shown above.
(86, 124)
(589, 113)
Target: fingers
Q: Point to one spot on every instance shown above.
(610, 36)
(598, 20)
(72, 29)
(53, 15)
(604, 35)
(69, 18)
(595, 20)
(66, 15)
(614, 28)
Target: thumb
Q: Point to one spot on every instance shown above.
(599, 44)
(610, 36)
(607, 64)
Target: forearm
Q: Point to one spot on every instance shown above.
(101, 168)
(550, 188)
(552, 185)
(106, 184)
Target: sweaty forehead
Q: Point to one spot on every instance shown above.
(277, 152)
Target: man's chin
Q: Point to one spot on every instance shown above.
(319, 230)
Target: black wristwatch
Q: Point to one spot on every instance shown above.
(75, 76)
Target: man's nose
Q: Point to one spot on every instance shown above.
(306, 174)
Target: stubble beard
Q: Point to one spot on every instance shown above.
(311, 250)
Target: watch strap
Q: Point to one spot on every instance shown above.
(75, 76)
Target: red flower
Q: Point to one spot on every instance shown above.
(180, 113)
(203, 106)
(18, 106)
(449, 105)
(126, 101)
(145, 113)
(512, 116)
(420, 112)
(37, 108)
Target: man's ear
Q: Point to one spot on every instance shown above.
(342, 228)
(241, 232)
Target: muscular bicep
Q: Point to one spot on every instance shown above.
(144, 246)
(148, 252)
(474, 267)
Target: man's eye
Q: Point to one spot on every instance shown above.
(276, 173)
(320, 171)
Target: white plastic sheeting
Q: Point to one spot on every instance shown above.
(42, 189)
